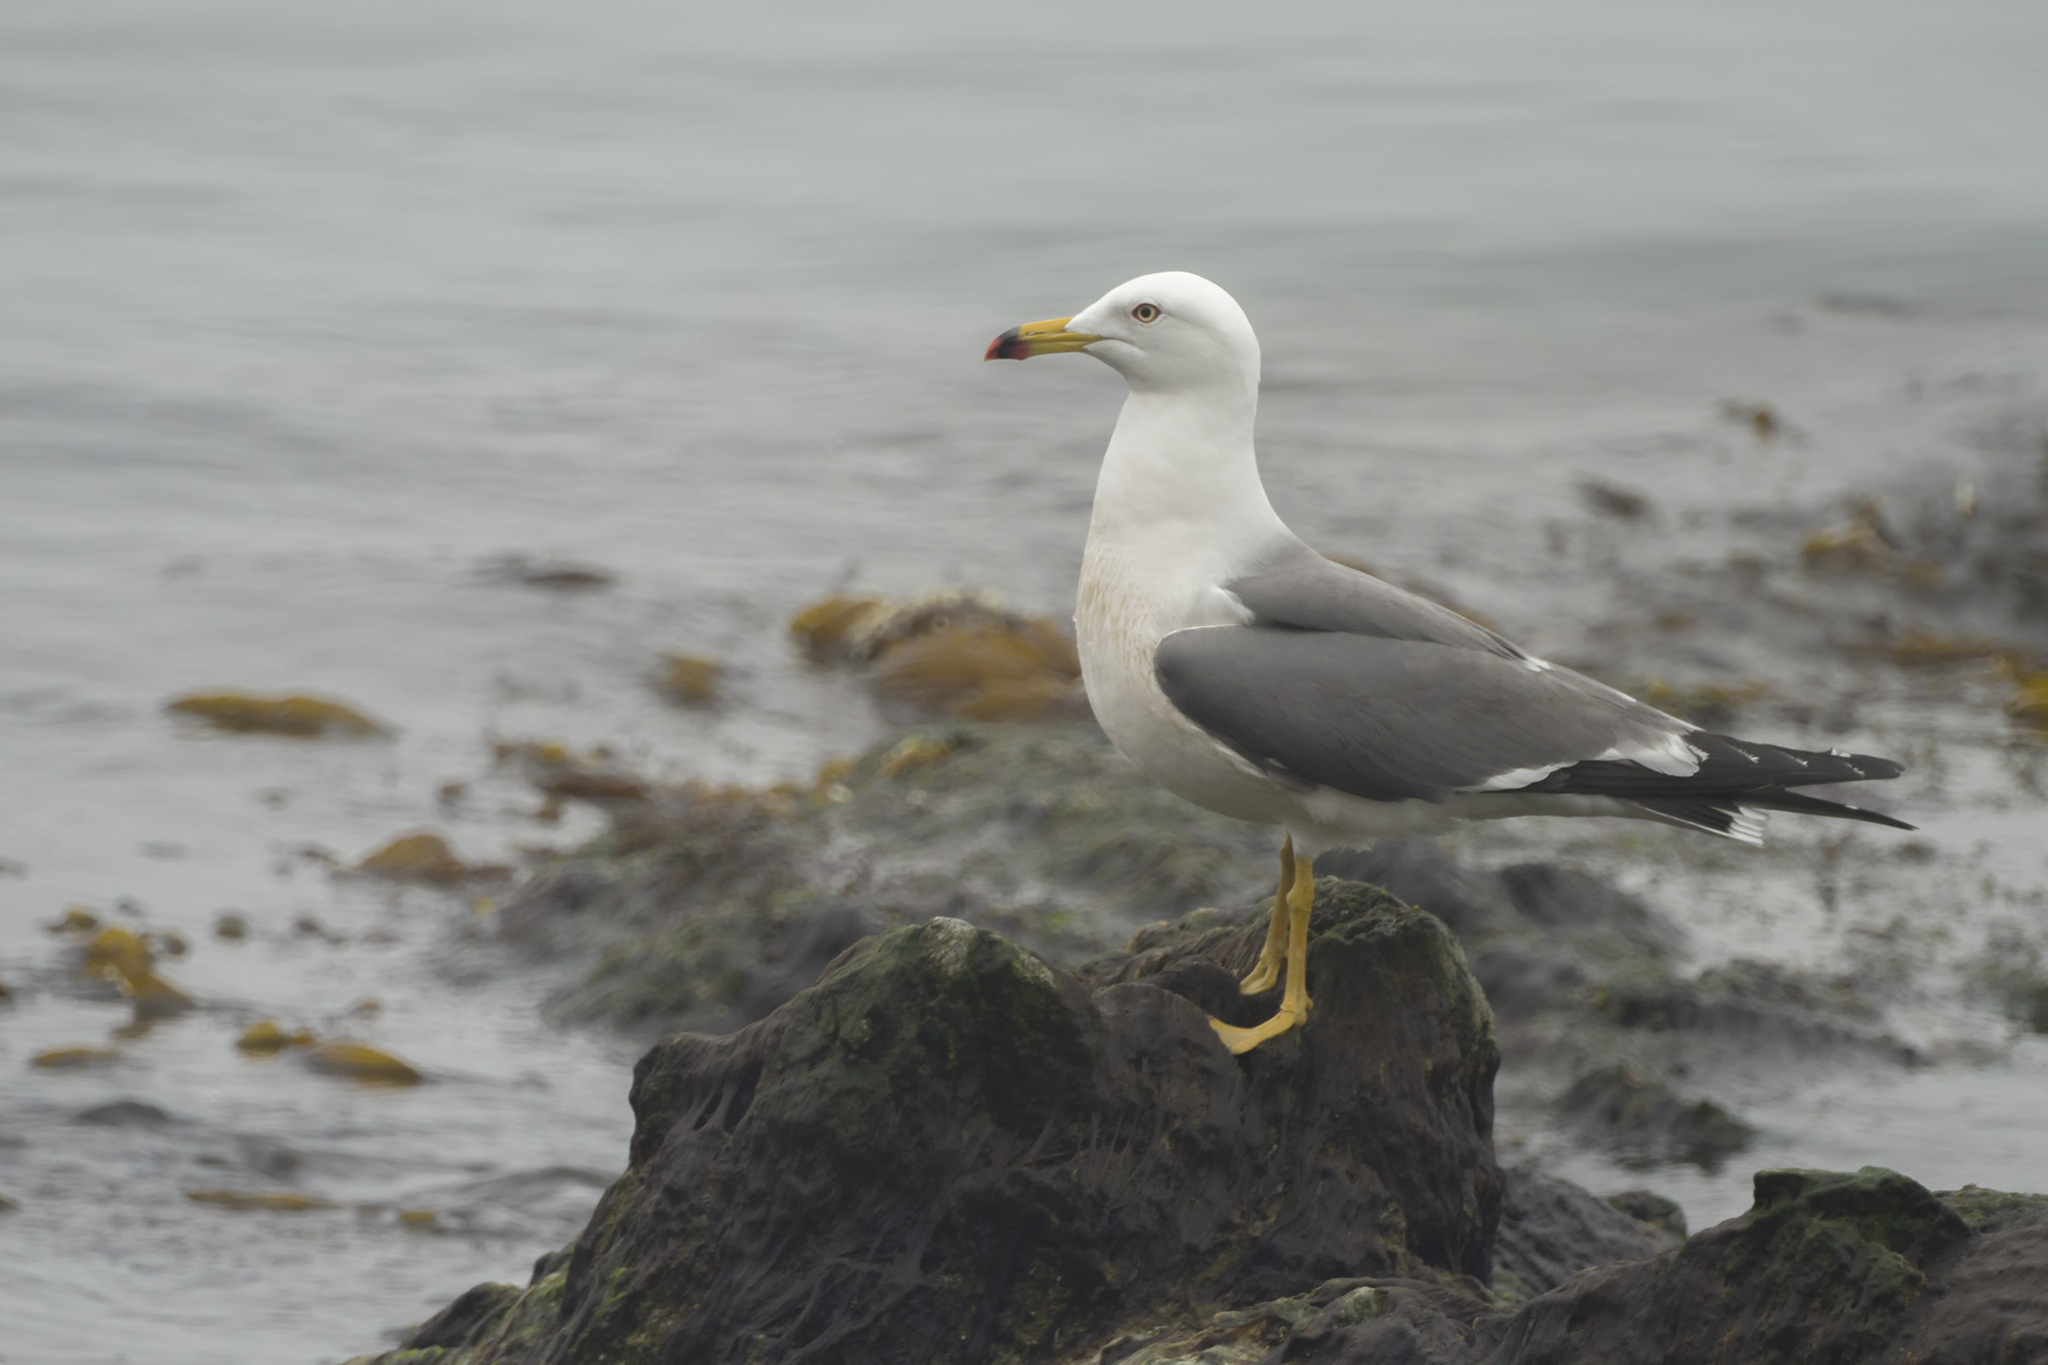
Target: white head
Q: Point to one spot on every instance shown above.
(1166, 332)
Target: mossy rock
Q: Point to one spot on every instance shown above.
(706, 908)
(1826, 1266)
(949, 1151)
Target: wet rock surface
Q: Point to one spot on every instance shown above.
(1598, 1015)
(704, 908)
(1826, 1266)
(947, 1150)
(1551, 1229)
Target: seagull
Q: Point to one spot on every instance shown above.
(1248, 674)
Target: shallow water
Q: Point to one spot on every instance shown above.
(311, 312)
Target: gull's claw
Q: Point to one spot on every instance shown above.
(1286, 941)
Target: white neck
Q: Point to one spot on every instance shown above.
(1182, 461)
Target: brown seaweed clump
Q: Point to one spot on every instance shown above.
(1026, 672)
(76, 920)
(74, 1058)
(127, 960)
(1915, 647)
(295, 716)
(689, 680)
(2029, 701)
(266, 1039)
(954, 652)
(265, 1201)
(1864, 544)
(563, 774)
(360, 1062)
(423, 856)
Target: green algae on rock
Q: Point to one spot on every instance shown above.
(704, 908)
(948, 1151)
(1849, 1269)
(1863, 1267)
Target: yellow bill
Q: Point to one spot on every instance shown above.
(1037, 338)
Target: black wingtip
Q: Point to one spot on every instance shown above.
(1799, 803)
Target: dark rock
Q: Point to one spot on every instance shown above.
(1411, 1123)
(1599, 1031)
(124, 1114)
(1395, 1324)
(1393, 1318)
(1645, 1121)
(1863, 1269)
(463, 1321)
(1553, 897)
(947, 1151)
(1522, 979)
(557, 893)
(1418, 871)
(808, 943)
(1539, 935)
(2035, 1008)
(704, 907)
(1647, 1206)
(1760, 1006)
(1824, 1267)
(1551, 1229)
(1527, 895)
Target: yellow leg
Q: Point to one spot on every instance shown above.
(1266, 975)
(1294, 1001)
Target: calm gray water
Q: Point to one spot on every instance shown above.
(307, 312)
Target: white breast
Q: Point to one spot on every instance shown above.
(1128, 602)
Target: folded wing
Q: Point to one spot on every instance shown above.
(1345, 682)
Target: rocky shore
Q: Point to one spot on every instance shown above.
(943, 1091)
(951, 1149)
(704, 909)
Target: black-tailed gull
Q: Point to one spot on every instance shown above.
(1246, 673)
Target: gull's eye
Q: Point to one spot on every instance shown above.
(1146, 312)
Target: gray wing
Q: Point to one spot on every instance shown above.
(1390, 718)
(1298, 587)
(1393, 719)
